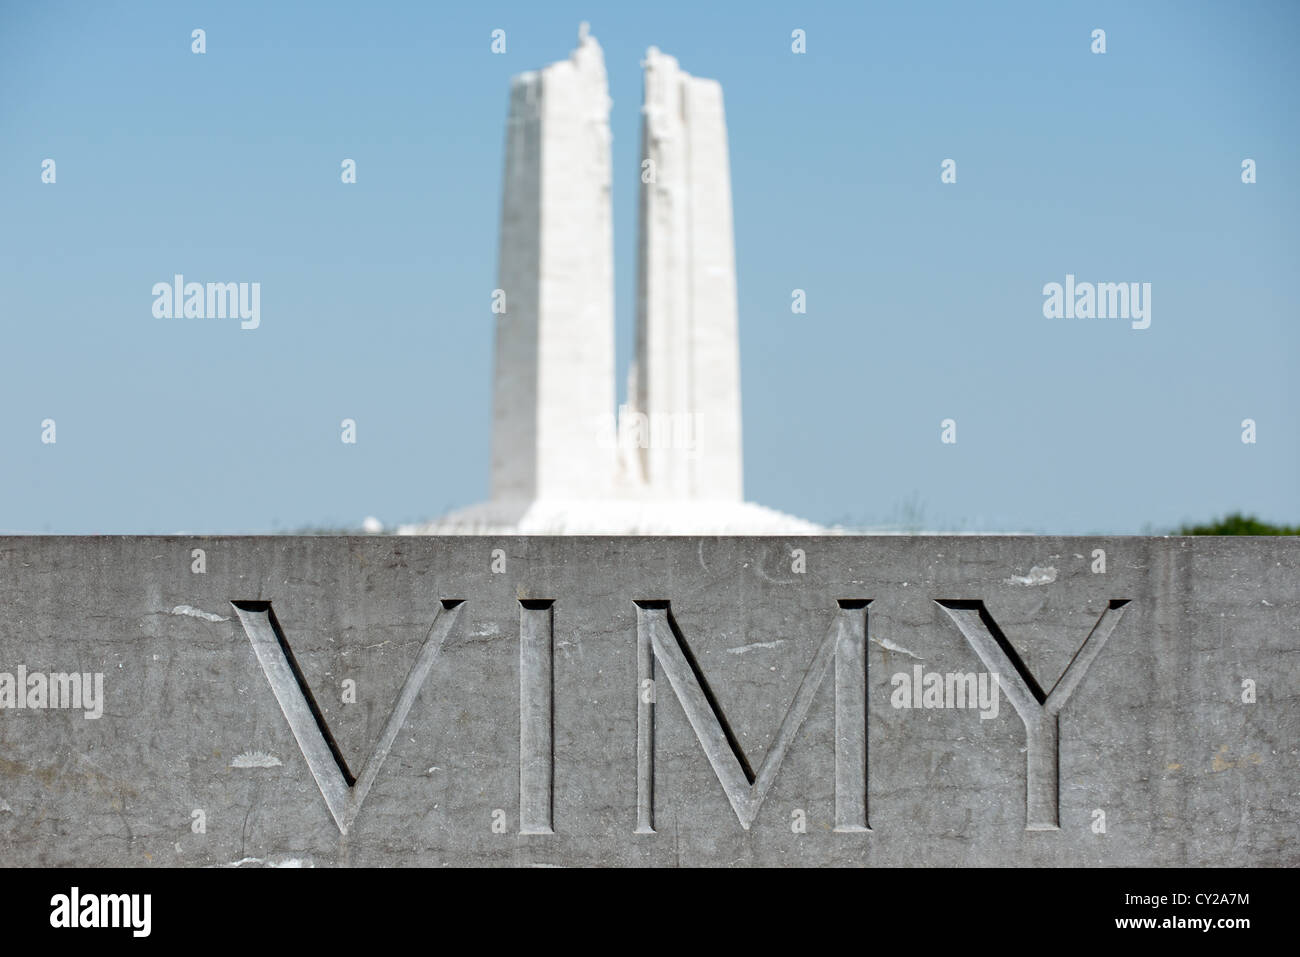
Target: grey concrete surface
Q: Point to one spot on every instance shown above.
(659, 702)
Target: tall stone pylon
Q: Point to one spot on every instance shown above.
(686, 381)
(553, 394)
(561, 463)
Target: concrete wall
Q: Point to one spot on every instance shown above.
(516, 701)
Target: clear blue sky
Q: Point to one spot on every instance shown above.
(924, 299)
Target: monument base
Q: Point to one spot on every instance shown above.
(615, 517)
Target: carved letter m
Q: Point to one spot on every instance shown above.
(658, 640)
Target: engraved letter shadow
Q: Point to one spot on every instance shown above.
(343, 792)
(1039, 712)
(842, 652)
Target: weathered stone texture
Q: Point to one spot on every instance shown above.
(1155, 734)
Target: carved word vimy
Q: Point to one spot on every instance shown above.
(825, 700)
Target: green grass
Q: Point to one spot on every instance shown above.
(1238, 524)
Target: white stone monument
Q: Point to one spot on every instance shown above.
(685, 387)
(562, 463)
(554, 373)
